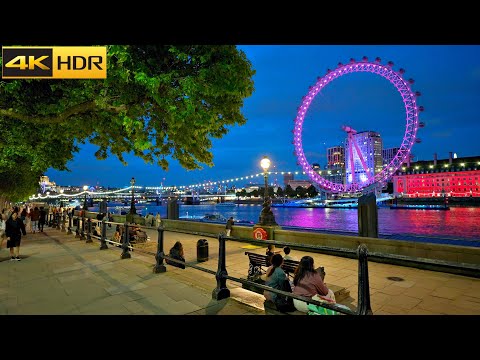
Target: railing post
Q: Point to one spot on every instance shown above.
(103, 237)
(70, 216)
(89, 231)
(82, 235)
(159, 267)
(126, 240)
(221, 291)
(364, 307)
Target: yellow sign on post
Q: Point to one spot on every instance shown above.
(54, 62)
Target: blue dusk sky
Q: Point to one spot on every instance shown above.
(448, 77)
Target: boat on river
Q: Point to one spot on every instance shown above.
(420, 206)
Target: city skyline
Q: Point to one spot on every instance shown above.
(447, 76)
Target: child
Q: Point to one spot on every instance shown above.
(287, 256)
(270, 252)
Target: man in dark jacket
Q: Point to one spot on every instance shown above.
(14, 230)
(42, 218)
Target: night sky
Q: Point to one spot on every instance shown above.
(448, 77)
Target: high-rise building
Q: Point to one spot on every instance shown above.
(389, 154)
(370, 146)
(336, 157)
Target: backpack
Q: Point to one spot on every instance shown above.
(282, 302)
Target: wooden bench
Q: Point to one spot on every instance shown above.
(289, 267)
(260, 260)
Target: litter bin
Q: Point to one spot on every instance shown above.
(202, 250)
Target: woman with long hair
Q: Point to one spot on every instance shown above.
(308, 282)
(176, 252)
(278, 279)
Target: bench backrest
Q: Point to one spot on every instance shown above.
(288, 266)
(257, 259)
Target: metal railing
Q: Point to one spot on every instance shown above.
(221, 291)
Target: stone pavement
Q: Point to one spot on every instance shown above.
(61, 274)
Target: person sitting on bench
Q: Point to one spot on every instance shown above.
(308, 282)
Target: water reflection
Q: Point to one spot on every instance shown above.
(456, 223)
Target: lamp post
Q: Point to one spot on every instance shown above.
(132, 204)
(85, 188)
(266, 216)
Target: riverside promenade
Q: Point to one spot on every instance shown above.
(60, 274)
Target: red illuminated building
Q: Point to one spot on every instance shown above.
(452, 177)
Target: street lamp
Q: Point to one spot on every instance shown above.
(266, 216)
(132, 204)
(85, 188)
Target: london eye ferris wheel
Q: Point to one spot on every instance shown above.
(371, 177)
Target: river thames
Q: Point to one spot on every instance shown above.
(457, 223)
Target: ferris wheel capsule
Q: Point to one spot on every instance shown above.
(377, 59)
(411, 81)
(401, 71)
(390, 63)
(418, 93)
(421, 124)
(329, 71)
(364, 59)
(339, 64)
(421, 108)
(418, 140)
(352, 60)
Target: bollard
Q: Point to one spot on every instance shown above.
(103, 237)
(364, 307)
(125, 243)
(221, 291)
(159, 267)
(69, 232)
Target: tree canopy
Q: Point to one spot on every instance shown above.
(159, 102)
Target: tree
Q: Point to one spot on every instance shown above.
(280, 192)
(159, 102)
(289, 191)
(312, 191)
(301, 191)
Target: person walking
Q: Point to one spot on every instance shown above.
(14, 230)
(42, 218)
(229, 226)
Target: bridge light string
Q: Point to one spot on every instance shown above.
(167, 188)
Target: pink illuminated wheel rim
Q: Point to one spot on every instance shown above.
(411, 127)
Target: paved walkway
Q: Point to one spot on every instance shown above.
(60, 274)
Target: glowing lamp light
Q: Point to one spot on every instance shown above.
(265, 163)
(85, 187)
